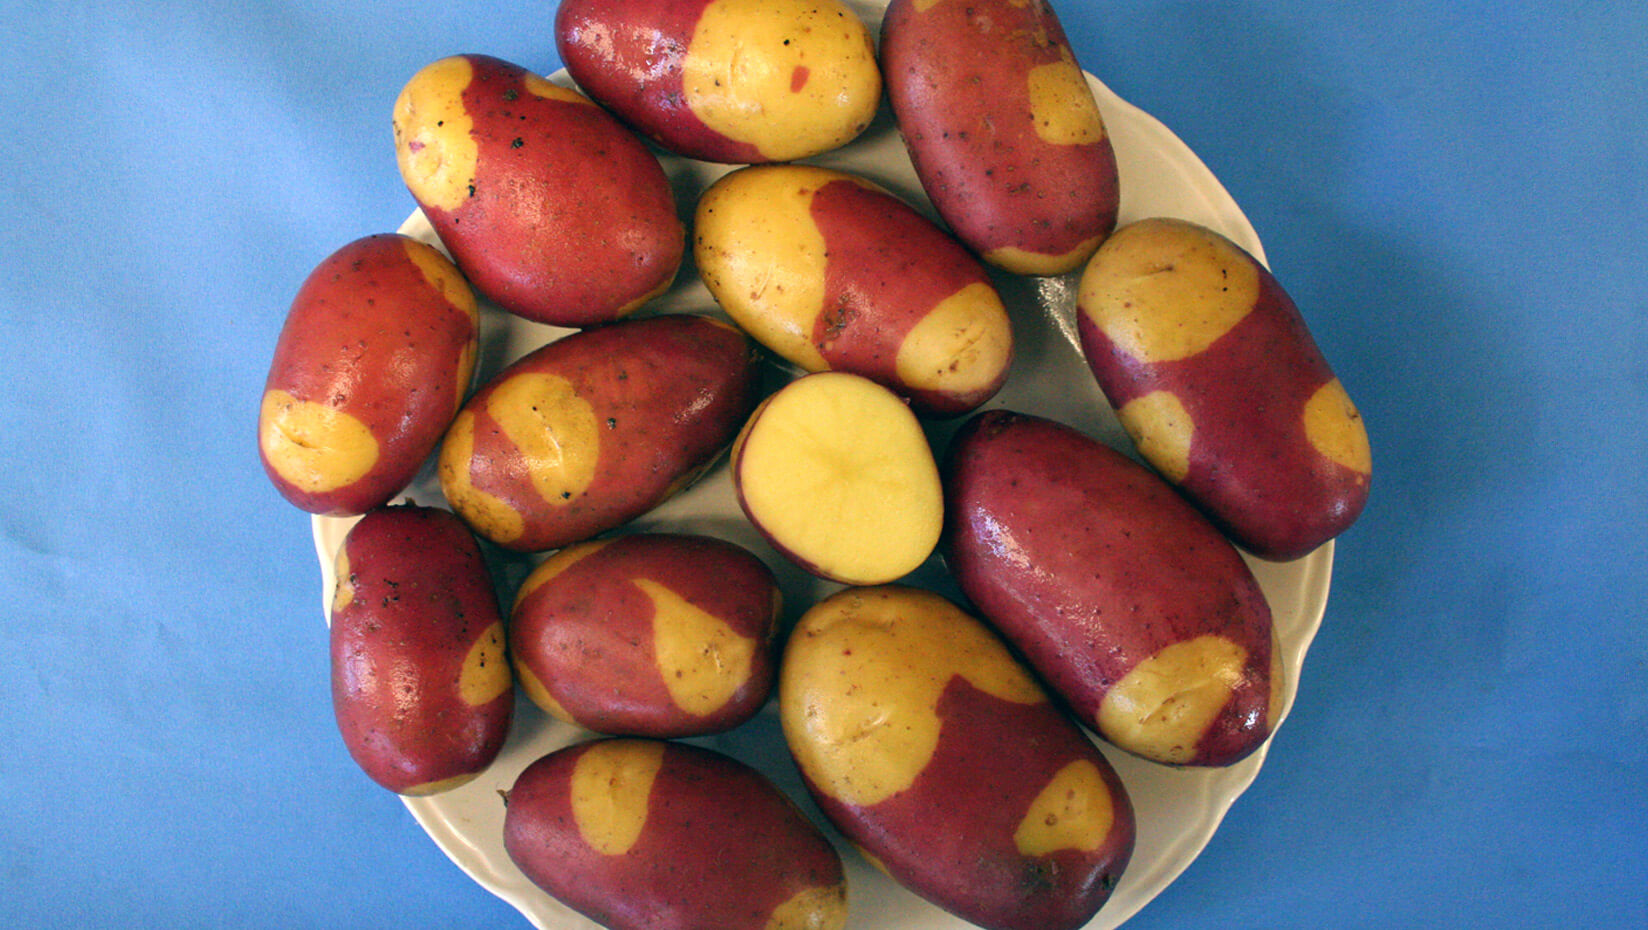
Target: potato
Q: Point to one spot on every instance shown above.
(1126, 600)
(595, 429)
(835, 471)
(735, 81)
(649, 835)
(648, 635)
(834, 273)
(1217, 379)
(371, 365)
(1002, 129)
(931, 748)
(552, 208)
(420, 683)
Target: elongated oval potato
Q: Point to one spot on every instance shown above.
(736, 81)
(658, 635)
(834, 273)
(552, 208)
(371, 365)
(1216, 377)
(642, 834)
(1002, 129)
(595, 429)
(1127, 601)
(421, 685)
(932, 749)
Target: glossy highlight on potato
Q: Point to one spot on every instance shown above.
(421, 684)
(651, 835)
(651, 634)
(938, 754)
(373, 360)
(1003, 129)
(1216, 377)
(588, 432)
(834, 273)
(553, 209)
(1124, 598)
(734, 81)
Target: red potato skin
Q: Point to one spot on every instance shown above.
(587, 632)
(367, 334)
(996, 754)
(672, 391)
(422, 597)
(630, 59)
(956, 79)
(1253, 471)
(572, 220)
(1088, 563)
(888, 268)
(721, 846)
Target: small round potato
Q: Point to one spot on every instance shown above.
(736, 81)
(650, 835)
(420, 682)
(372, 363)
(648, 635)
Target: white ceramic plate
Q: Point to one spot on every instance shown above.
(1177, 809)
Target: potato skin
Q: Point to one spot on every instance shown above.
(595, 429)
(1115, 590)
(833, 273)
(421, 685)
(1217, 379)
(650, 835)
(370, 367)
(551, 207)
(933, 750)
(660, 635)
(733, 81)
(1002, 129)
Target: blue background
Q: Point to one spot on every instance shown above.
(1453, 192)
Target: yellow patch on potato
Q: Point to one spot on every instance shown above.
(484, 676)
(343, 588)
(549, 90)
(611, 788)
(433, 146)
(822, 908)
(533, 687)
(863, 743)
(764, 258)
(1334, 427)
(968, 336)
(314, 447)
(1022, 261)
(490, 515)
(1163, 706)
(1162, 429)
(791, 77)
(554, 428)
(701, 659)
(556, 564)
(1062, 105)
(1278, 685)
(1164, 290)
(1074, 811)
(445, 279)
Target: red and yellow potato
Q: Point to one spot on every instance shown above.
(372, 362)
(737, 81)
(552, 208)
(648, 635)
(1214, 374)
(595, 429)
(642, 834)
(936, 753)
(1002, 129)
(421, 686)
(833, 273)
(1125, 599)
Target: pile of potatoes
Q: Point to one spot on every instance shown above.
(947, 742)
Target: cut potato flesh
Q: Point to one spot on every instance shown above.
(836, 472)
